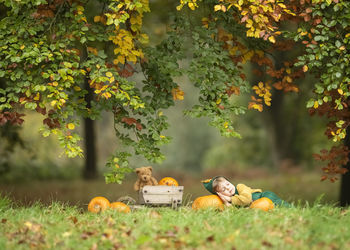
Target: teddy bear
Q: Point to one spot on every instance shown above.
(144, 178)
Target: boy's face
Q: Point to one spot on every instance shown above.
(226, 188)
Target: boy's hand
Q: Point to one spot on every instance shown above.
(224, 198)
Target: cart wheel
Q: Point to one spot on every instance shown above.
(173, 204)
(127, 200)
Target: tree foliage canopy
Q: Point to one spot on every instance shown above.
(53, 52)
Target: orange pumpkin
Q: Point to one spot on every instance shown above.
(263, 204)
(120, 207)
(98, 204)
(208, 201)
(168, 181)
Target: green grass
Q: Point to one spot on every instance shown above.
(60, 226)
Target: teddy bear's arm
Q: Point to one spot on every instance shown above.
(154, 181)
(137, 185)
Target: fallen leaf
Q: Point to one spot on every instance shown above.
(170, 234)
(110, 221)
(117, 246)
(266, 243)
(210, 238)
(93, 247)
(154, 214)
(3, 221)
(230, 238)
(21, 241)
(74, 219)
(289, 240)
(66, 234)
(34, 227)
(163, 240)
(86, 235)
(108, 234)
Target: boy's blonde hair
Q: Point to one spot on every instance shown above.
(216, 183)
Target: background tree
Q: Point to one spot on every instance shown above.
(43, 63)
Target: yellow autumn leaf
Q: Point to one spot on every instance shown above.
(226, 124)
(177, 93)
(258, 107)
(272, 39)
(120, 59)
(53, 103)
(305, 68)
(191, 6)
(340, 91)
(70, 126)
(77, 88)
(289, 79)
(106, 95)
(132, 58)
(217, 7)
(278, 33)
(22, 47)
(37, 97)
(109, 74)
(316, 104)
(97, 19)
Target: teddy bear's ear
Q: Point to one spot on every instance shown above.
(150, 168)
(137, 170)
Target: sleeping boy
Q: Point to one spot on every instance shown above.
(240, 195)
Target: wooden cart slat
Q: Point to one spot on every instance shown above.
(170, 195)
(162, 189)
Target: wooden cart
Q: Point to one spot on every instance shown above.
(161, 195)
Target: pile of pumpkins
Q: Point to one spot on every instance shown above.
(99, 204)
(213, 201)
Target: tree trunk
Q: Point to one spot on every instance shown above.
(90, 170)
(345, 178)
(276, 129)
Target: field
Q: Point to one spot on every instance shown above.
(60, 226)
(53, 214)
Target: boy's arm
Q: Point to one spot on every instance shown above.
(244, 198)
